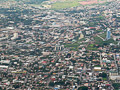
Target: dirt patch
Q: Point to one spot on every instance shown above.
(88, 2)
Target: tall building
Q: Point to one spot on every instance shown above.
(108, 34)
(15, 36)
(59, 47)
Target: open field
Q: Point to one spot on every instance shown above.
(75, 45)
(57, 4)
(62, 4)
(88, 2)
(99, 41)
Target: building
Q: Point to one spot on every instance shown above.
(15, 36)
(59, 47)
(108, 34)
(97, 68)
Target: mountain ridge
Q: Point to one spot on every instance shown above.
(26, 1)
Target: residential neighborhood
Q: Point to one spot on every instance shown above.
(74, 48)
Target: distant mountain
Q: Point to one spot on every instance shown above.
(59, 4)
(35, 1)
(26, 1)
(62, 4)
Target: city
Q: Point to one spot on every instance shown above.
(75, 48)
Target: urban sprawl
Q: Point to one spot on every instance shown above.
(71, 49)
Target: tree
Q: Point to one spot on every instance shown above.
(116, 85)
(104, 75)
(83, 88)
(51, 84)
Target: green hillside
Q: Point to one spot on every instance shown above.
(26, 1)
(66, 4)
(62, 5)
(52, 4)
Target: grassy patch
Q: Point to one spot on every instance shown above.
(29, 43)
(105, 79)
(80, 40)
(99, 31)
(99, 41)
(75, 46)
(97, 66)
(103, 35)
(63, 5)
(91, 47)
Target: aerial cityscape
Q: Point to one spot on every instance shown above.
(59, 44)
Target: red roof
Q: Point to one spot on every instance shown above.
(44, 62)
(92, 27)
(53, 61)
(108, 84)
(53, 79)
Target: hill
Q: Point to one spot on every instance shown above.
(62, 4)
(65, 4)
(57, 4)
(26, 1)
